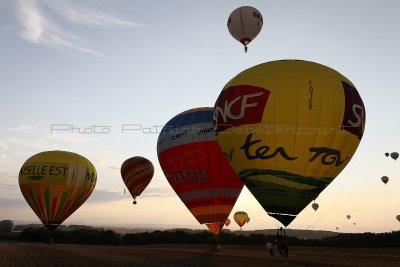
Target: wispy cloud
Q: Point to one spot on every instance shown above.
(85, 16)
(22, 127)
(107, 163)
(39, 28)
(4, 158)
(3, 145)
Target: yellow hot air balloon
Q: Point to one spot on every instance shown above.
(290, 127)
(241, 218)
(55, 184)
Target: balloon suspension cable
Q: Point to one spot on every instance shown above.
(337, 196)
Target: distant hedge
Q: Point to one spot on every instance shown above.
(108, 237)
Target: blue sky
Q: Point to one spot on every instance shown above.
(136, 64)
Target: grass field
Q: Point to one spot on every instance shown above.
(39, 254)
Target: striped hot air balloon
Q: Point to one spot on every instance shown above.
(196, 168)
(55, 184)
(137, 173)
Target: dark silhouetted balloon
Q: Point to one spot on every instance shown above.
(315, 206)
(394, 155)
(385, 179)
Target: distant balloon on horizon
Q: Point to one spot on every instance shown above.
(348, 216)
(394, 155)
(241, 218)
(315, 206)
(385, 179)
(387, 154)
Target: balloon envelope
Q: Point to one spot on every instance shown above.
(55, 184)
(244, 24)
(290, 126)
(398, 217)
(196, 168)
(394, 155)
(348, 216)
(315, 206)
(137, 173)
(385, 179)
(240, 218)
(215, 228)
(387, 154)
(6, 227)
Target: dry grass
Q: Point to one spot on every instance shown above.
(38, 254)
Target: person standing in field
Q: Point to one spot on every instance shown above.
(269, 248)
(285, 249)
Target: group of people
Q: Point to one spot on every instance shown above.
(280, 243)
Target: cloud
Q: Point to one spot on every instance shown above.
(4, 158)
(39, 28)
(3, 145)
(101, 196)
(22, 127)
(81, 15)
(107, 163)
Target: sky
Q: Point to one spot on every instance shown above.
(128, 66)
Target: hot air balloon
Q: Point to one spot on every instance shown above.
(290, 126)
(337, 228)
(398, 217)
(244, 24)
(137, 173)
(228, 222)
(6, 227)
(240, 218)
(348, 217)
(387, 154)
(196, 168)
(315, 206)
(385, 179)
(55, 184)
(394, 155)
(354, 224)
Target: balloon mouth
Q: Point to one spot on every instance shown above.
(284, 218)
(51, 227)
(245, 41)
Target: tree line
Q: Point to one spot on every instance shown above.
(109, 237)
